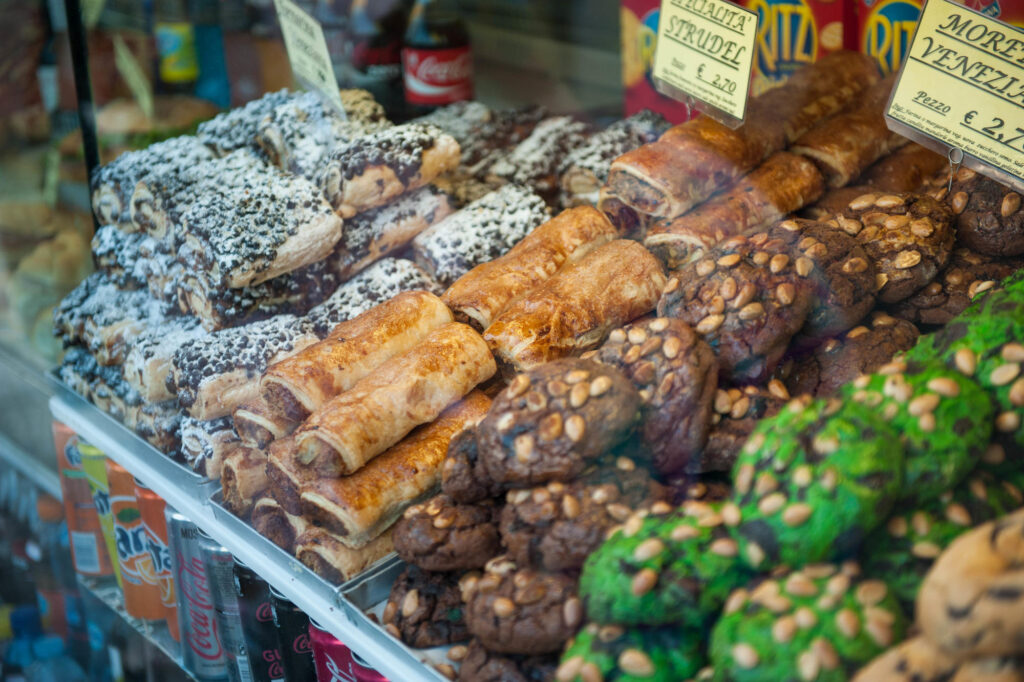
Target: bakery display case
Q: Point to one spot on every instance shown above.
(506, 366)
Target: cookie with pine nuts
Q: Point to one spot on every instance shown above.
(616, 653)
(908, 236)
(903, 549)
(481, 665)
(970, 603)
(943, 418)
(819, 623)
(463, 476)
(747, 297)
(676, 373)
(920, 660)
(424, 609)
(842, 359)
(658, 570)
(517, 610)
(736, 412)
(551, 420)
(443, 535)
(555, 527)
(989, 216)
(812, 481)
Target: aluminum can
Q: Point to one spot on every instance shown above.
(138, 574)
(79, 509)
(220, 564)
(201, 648)
(335, 662)
(94, 464)
(261, 645)
(293, 638)
(152, 507)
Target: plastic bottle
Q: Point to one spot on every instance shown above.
(19, 656)
(52, 664)
(437, 64)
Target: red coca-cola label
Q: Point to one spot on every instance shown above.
(202, 636)
(437, 77)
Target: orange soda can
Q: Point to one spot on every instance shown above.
(84, 528)
(138, 575)
(152, 507)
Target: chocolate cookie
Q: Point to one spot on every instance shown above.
(425, 609)
(713, 487)
(442, 535)
(838, 361)
(521, 610)
(551, 420)
(919, 660)
(614, 653)
(747, 299)
(557, 526)
(970, 602)
(736, 413)
(676, 374)
(989, 216)
(968, 274)
(463, 476)
(908, 236)
(481, 665)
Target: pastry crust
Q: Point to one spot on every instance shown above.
(205, 444)
(333, 561)
(277, 525)
(287, 475)
(243, 479)
(257, 425)
(573, 311)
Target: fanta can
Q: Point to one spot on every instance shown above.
(138, 574)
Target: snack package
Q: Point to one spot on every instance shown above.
(885, 28)
(639, 27)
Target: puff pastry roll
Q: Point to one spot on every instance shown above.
(325, 555)
(370, 236)
(206, 444)
(694, 160)
(236, 129)
(287, 475)
(358, 507)
(574, 310)
(380, 409)
(243, 479)
(118, 254)
(905, 170)
(257, 425)
(479, 295)
(480, 232)
(277, 525)
(535, 161)
(300, 385)
(372, 170)
(781, 185)
(159, 424)
(150, 355)
(846, 144)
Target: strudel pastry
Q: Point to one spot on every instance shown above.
(150, 354)
(534, 162)
(326, 556)
(243, 479)
(236, 129)
(258, 425)
(277, 525)
(205, 444)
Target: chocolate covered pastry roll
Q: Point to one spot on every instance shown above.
(258, 425)
(298, 386)
(374, 169)
(479, 295)
(329, 558)
(381, 408)
(498, 136)
(243, 479)
(116, 253)
(534, 162)
(148, 361)
(480, 232)
(205, 444)
(277, 525)
(357, 507)
(782, 184)
(236, 129)
(159, 424)
(370, 236)
(575, 309)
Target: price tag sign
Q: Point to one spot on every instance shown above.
(705, 52)
(307, 51)
(962, 86)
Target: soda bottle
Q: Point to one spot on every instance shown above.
(437, 64)
(177, 63)
(375, 38)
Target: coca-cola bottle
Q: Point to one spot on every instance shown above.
(437, 64)
(375, 33)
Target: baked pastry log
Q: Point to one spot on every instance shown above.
(287, 475)
(904, 170)
(243, 479)
(117, 254)
(535, 161)
(372, 170)
(479, 295)
(574, 310)
(159, 424)
(370, 236)
(258, 425)
(326, 556)
(359, 506)
(148, 360)
(780, 185)
(480, 232)
(380, 409)
(272, 522)
(298, 386)
(206, 444)
(844, 145)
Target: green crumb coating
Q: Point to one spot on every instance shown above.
(943, 418)
(901, 551)
(660, 570)
(812, 481)
(632, 654)
(822, 622)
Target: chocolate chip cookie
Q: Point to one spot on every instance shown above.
(736, 413)
(551, 420)
(676, 373)
(442, 535)
(557, 526)
(970, 602)
(919, 660)
(424, 609)
(521, 610)
(908, 236)
(989, 216)
(747, 299)
(481, 665)
(614, 653)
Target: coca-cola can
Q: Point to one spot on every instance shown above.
(201, 649)
(335, 662)
(293, 638)
(220, 565)
(261, 645)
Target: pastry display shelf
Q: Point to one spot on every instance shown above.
(341, 610)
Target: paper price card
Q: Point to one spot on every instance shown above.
(307, 51)
(705, 51)
(962, 85)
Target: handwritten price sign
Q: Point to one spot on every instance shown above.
(307, 51)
